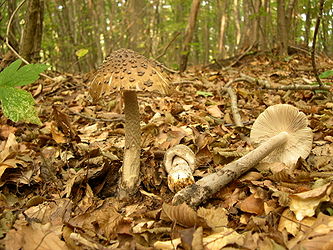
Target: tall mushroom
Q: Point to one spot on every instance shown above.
(127, 71)
(283, 134)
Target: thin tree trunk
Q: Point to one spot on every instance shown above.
(189, 35)
(32, 34)
(223, 26)
(307, 22)
(282, 33)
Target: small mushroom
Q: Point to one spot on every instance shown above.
(292, 124)
(128, 72)
(179, 162)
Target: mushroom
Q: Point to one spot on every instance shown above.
(127, 71)
(292, 125)
(283, 135)
(179, 162)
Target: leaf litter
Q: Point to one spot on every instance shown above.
(59, 180)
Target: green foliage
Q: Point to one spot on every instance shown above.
(18, 104)
(326, 74)
(204, 93)
(81, 52)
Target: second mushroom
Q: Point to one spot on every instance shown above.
(127, 71)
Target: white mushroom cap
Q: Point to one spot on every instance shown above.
(284, 118)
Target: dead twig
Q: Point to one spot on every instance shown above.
(240, 57)
(267, 85)
(234, 106)
(116, 119)
(167, 46)
(299, 87)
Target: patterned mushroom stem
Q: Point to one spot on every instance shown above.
(131, 164)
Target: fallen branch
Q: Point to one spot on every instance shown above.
(267, 85)
(283, 135)
(203, 189)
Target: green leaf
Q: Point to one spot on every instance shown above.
(81, 52)
(13, 76)
(18, 105)
(204, 93)
(326, 74)
(8, 73)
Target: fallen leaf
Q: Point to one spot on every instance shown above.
(305, 203)
(215, 111)
(181, 214)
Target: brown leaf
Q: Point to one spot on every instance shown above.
(35, 236)
(216, 218)
(252, 205)
(104, 220)
(215, 111)
(186, 236)
(305, 203)
(181, 214)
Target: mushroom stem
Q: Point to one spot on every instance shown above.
(194, 194)
(131, 166)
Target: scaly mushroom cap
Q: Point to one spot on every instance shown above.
(284, 118)
(125, 69)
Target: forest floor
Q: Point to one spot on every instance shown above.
(58, 181)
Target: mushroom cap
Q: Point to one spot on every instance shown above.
(284, 118)
(125, 69)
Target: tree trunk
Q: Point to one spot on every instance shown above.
(135, 25)
(308, 17)
(32, 34)
(223, 26)
(282, 33)
(189, 35)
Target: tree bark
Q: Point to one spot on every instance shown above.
(32, 34)
(223, 26)
(189, 35)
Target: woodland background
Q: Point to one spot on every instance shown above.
(59, 179)
(56, 31)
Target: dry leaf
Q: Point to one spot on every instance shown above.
(305, 203)
(167, 245)
(289, 223)
(252, 205)
(215, 111)
(35, 236)
(226, 237)
(318, 236)
(216, 218)
(181, 214)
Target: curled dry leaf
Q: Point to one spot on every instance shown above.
(289, 223)
(181, 214)
(317, 236)
(305, 203)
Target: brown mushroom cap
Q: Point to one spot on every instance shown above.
(284, 118)
(125, 69)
